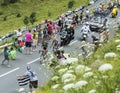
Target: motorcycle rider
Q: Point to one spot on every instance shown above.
(114, 11)
(70, 33)
(85, 30)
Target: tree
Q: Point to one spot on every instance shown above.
(26, 21)
(32, 18)
(13, 1)
(71, 3)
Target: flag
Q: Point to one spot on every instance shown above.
(22, 81)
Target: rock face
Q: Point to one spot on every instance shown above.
(110, 55)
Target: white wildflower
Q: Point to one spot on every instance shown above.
(57, 67)
(117, 41)
(55, 86)
(105, 77)
(68, 61)
(118, 47)
(95, 76)
(71, 67)
(92, 91)
(98, 82)
(81, 68)
(69, 80)
(68, 76)
(68, 86)
(110, 55)
(87, 69)
(70, 71)
(80, 84)
(62, 71)
(55, 78)
(105, 67)
(88, 74)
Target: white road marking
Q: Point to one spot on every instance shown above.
(33, 61)
(9, 72)
(73, 42)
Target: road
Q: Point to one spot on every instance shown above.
(8, 81)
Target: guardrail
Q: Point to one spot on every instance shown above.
(2, 47)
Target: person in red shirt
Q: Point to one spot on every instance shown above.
(50, 30)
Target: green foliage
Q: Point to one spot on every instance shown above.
(13, 1)
(33, 15)
(1, 13)
(5, 2)
(18, 15)
(26, 20)
(4, 18)
(49, 14)
(25, 7)
(71, 3)
(32, 18)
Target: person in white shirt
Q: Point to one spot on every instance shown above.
(19, 35)
(33, 78)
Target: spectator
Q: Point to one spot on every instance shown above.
(33, 78)
(50, 30)
(87, 15)
(28, 42)
(19, 35)
(34, 42)
(12, 54)
(6, 56)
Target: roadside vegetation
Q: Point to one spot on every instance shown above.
(98, 74)
(15, 15)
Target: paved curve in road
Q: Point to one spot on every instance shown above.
(8, 82)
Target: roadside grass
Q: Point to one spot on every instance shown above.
(44, 9)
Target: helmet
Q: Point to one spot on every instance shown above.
(28, 67)
(86, 23)
(83, 42)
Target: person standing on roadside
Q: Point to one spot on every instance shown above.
(19, 35)
(6, 56)
(87, 15)
(33, 82)
(50, 30)
(28, 42)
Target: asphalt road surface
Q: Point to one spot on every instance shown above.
(8, 81)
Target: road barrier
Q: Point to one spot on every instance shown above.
(3, 46)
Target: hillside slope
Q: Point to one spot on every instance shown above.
(44, 9)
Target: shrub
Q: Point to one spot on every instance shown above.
(49, 14)
(26, 20)
(1, 13)
(33, 14)
(18, 15)
(5, 2)
(71, 3)
(4, 18)
(13, 1)
(33, 17)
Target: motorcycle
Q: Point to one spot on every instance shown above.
(84, 36)
(63, 38)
